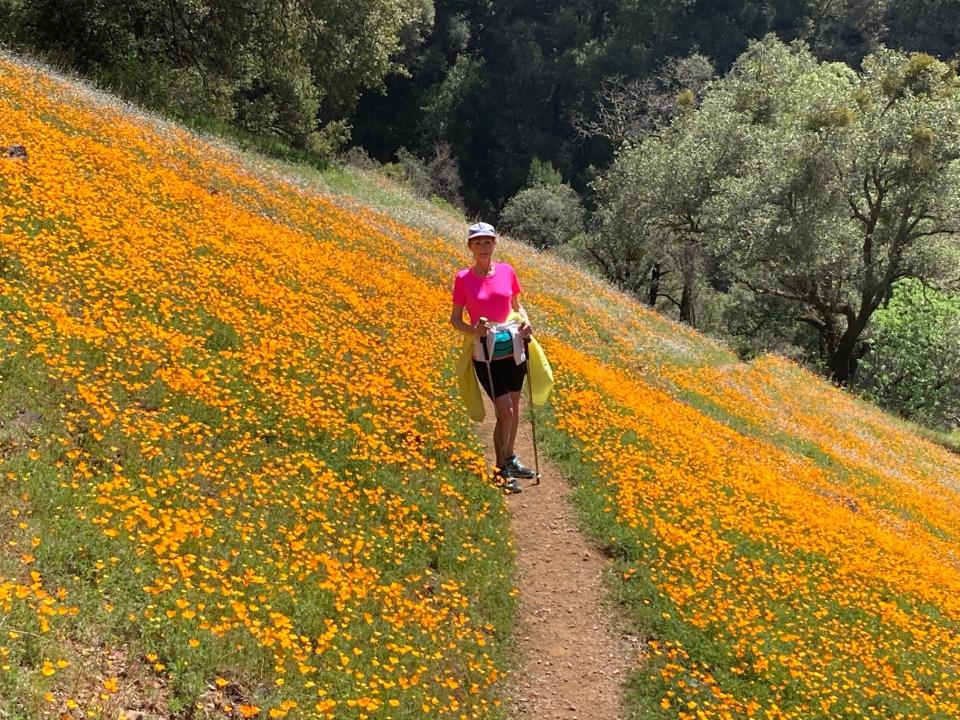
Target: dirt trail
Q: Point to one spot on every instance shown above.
(573, 662)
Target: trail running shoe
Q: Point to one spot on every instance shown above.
(506, 483)
(511, 486)
(513, 468)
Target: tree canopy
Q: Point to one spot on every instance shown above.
(288, 67)
(812, 186)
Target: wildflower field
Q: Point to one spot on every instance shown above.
(226, 447)
(236, 481)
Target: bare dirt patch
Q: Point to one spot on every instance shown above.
(108, 681)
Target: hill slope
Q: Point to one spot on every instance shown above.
(232, 450)
(230, 447)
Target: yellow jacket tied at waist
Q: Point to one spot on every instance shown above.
(539, 374)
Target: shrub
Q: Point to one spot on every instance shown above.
(913, 363)
(444, 174)
(414, 173)
(358, 157)
(544, 215)
(439, 177)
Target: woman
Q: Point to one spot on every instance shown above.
(490, 293)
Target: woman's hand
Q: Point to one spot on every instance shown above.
(526, 330)
(480, 328)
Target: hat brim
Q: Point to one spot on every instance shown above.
(481, 234)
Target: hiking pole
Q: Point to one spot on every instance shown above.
(533, 422)
(498, 440)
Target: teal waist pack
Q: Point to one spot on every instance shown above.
(503, 347)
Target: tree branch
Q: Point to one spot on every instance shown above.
(812, 320)
(670, 298)
(606, 267)
(856, 211)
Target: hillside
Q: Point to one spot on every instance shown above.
(237, 477)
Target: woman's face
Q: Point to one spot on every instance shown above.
(482, 247)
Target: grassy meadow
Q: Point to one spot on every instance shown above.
(236, 480)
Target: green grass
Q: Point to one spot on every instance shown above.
(111, 606)
(949, 440)
(633, 553)
(267, 145)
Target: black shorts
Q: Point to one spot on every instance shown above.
(507, 375)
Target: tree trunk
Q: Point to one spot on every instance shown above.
(846, 353)
(688, 269)
(655, 274)
(843, 361)
(686, 304)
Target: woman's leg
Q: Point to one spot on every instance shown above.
(515, 386)
(506, 429)
(506, 376)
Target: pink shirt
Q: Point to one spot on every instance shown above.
(488, 297)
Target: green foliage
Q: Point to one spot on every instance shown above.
(913, 365)
(656, 210)
(921, 74)
(290, 69)
(269, 145)
(845, 30)
(686, 98)
(438, 178)
(830, 118)
(326, 142)
(413, 173)
(812, 186)
(534, 73)
(503, 86)
(544, 215)
(542, 172)
(924, 25)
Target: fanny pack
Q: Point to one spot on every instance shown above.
(503, 340)
(502, 345)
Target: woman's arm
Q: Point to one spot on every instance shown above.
(526, 329)
(456, 319)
